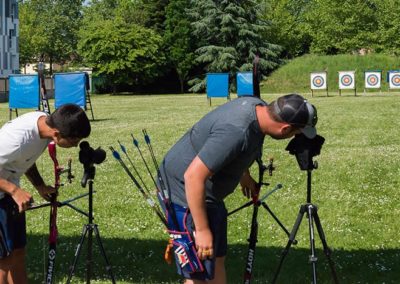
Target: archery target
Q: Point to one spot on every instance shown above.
(346, 80)
(372, 80)
(318, 81)
(394, 80)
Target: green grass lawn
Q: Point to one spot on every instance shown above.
(356, 188)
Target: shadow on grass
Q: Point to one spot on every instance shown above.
(141, 261)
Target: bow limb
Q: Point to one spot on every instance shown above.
(256, 77)
(42, 89)
(53, 217)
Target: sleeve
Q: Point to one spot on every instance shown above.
(223, 144)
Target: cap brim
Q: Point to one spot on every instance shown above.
(309, 131)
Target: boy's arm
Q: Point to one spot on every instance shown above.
(37, 181)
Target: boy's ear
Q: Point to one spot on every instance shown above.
(55, 134)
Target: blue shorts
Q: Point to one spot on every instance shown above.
(12, 227)
(217, 220)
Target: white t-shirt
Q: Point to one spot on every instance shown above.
(20, 146)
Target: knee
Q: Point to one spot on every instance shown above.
(17, 257)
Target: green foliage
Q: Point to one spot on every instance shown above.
(339, 26)
(288, 19)
(230, 34)
(388, 27)
(49, 27)
(155, 11)
(178, 40)
(124, 51)
(295, 75)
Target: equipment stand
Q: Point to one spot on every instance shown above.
(311, 211)
(88, 229)
(257, 202)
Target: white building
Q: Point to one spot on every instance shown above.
(9, 25)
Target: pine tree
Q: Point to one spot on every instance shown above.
(229, 34)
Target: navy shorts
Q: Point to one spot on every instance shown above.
(12, 226)
(217, 220)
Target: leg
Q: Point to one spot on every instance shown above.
(219, 276)
(292, 237)
(313, 258)
(77, 253)
(103, 253)
(13, 238)
(12, 268)
(327, 250)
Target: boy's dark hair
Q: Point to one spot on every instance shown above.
(70, 120)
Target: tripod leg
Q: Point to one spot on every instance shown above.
(266, 207)
(327, 250)
(89, 254)
(313, 259)
(77, 253)
(290, 241)
(103, 252)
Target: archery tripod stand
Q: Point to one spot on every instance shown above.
(88, 229)
(311, 211)
(257, 202)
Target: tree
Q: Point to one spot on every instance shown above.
(49, 28)
(342, 26)
(125, 52)
(230, 34)
(27, 51)
(388, 28)
(288, 25)
(178, 41)
(155, 14)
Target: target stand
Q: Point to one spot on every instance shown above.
(347, 81)
(393, 77)
(373, 80)
(318, 81)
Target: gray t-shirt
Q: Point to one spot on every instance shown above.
(227, 140)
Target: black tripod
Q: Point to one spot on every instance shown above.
(304, 157)
(257, 202)
(88, 229)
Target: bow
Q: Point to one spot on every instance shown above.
(54, 204)
(53, 216)
(43, 92)
(256, 77)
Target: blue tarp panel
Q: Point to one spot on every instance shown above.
(24, 91)
(244, 81)
(69, 88)
(218, 85)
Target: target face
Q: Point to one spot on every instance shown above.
(372, 80)
(395, 81)
(346, 80)
(318, 81)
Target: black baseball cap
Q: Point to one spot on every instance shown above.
(297, 111)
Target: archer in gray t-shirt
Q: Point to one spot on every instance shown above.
(211, 159)
(227, 140)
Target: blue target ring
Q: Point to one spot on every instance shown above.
(346, 80)
(372, 80)
(396, 80)
(318, 81)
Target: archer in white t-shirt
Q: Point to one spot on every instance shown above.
(22, 141)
